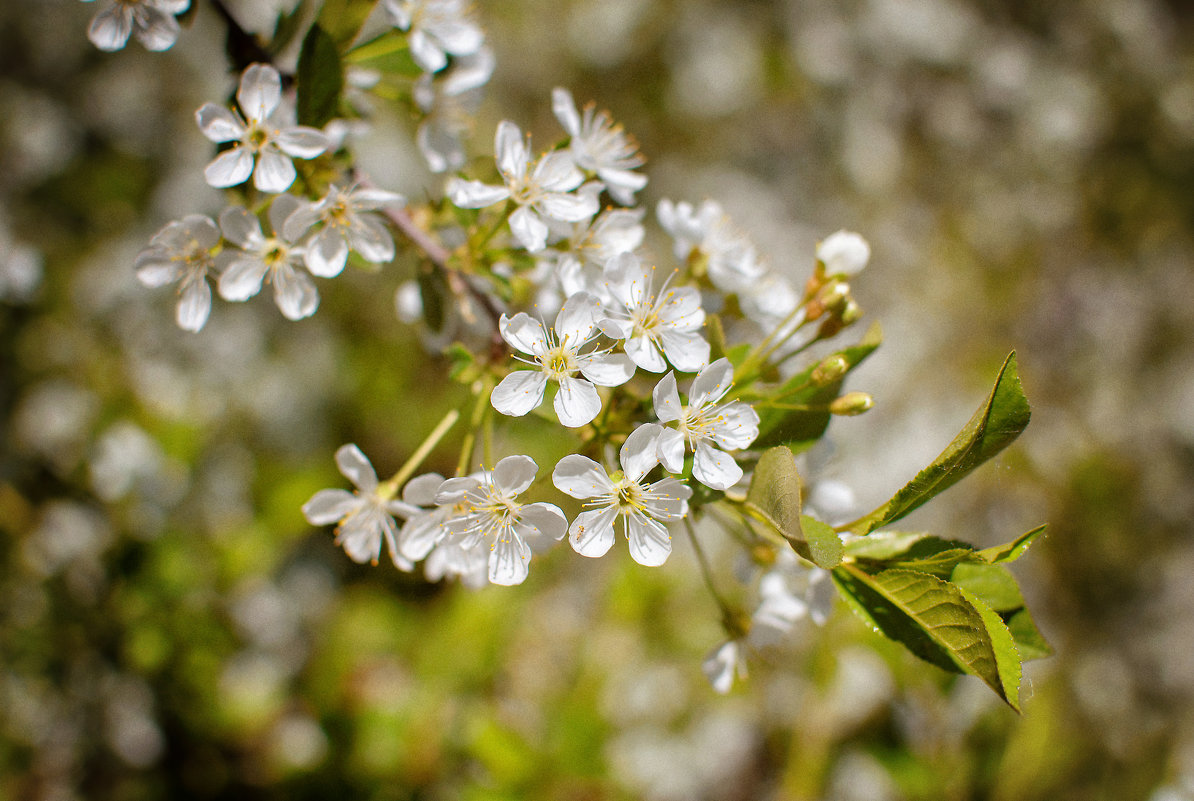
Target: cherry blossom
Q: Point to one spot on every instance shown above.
(265, 143)
(643, 508)
(182, 252)
(703, 424)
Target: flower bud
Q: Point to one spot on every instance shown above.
(830, 370)
(843, 253)
(852, 403)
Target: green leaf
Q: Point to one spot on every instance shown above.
(824, 544)
(921, 552)
(342, 19)
(774, 499)
(320, 79)
(800, 428)
(1010, 552)
(997, 587)
(992, 428)
(389, 53)
(937, 621)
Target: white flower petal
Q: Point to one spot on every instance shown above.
(327, 254)
(356, 467)
(671, 450)
(420, 534)
(688, 351)
(155, 268)
(711, 384)
(371, 239)
(639, 453)
(509, 561)
(541, 523)
(577, 402)
(230, 168)
(425, 52)
(721, 665)
(421, 490)
(241, 227)
(529, 229)
(523, 333)
(577, 318)
(294, 293)
(194, 304)
(642, 351)
(474, 194)
(242, 279)
(274, 173)
(739, 426)
(843, 253)
(581, 477)
(519, 392)
(260, 91)
(668, 499)
(218, 123)
(650, 542)
(607, 370)
(510, 149)
(592, 532)
(158, 31)
(556, 173)
(569, 208)
(514, 474)
(360, 537)
(715, 469)
(564, 107)
(667, 399)
(454, 490)
(301, 141)
(330, 506)
(110, 28)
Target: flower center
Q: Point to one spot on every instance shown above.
(559, 362)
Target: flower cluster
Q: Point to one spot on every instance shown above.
(663, 371)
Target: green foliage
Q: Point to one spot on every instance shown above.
(320, 79)
(342, 19)
(774, 499)
(992, 428)
(801, 411)
(938, 621)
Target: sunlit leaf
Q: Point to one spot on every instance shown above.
(774, 499)
(992, 428)
(1010, 552)
(997, 587)
(342, 19)
(937, 621)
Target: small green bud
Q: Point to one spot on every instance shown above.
(830, 370)
(852, 403)
(851, 312)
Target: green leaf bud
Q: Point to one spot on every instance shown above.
(830, 370)
(852, 403)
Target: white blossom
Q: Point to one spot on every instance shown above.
(706, 236)
(654, 325)
(436, 29)
(152, 22)
(261, 258)
(364, 517)
(723, 664)
(600, 146)
(265, 143)
(557, 355)
(345, 224)
(704, 424)
(449, 100)
(495, 522)
(542, 190)
(643, 508)
(429, 533)
(182, 252)
(843, 253)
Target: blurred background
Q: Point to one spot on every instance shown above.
(170, 626)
